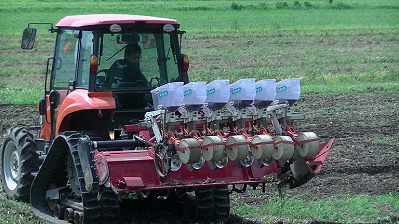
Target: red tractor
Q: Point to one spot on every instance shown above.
(119, 118)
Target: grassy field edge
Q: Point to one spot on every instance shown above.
(347, 208)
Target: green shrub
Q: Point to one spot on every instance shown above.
(236, 6)
(262, 6)
(297, 4)
(281, 5)
(340, 5)
(193, 8)
(307, 4)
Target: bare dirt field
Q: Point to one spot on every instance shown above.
(364, 159)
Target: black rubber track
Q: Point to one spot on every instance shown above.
(212, 204)
(221, 197)
(97, 209)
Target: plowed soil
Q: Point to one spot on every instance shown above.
(364, 159)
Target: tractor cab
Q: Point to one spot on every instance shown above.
(109, 63)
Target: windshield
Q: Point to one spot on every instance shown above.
(135, 60)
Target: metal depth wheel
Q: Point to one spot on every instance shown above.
(162, 160)
(19, 161)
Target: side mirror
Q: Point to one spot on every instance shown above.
(28, 38)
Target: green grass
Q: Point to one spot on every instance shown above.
(216, 16)
(20, 95)
(9, 206)
(17, 212)
(339, 47)
(340, 208)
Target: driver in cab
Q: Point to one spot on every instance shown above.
(126, 72)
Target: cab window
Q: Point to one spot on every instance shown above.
(72, 57)
(135, 60)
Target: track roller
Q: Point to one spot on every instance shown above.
(213, 148)
(189, 150)
(59, 211)
(237, 147)
(283, 148)
(69, 215)
(262, 147)
(78, 217)
(308, 144)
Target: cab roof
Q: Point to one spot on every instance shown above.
(105, 19)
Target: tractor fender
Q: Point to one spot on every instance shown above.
(82, 99)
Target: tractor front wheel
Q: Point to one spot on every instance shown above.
(19, 161)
